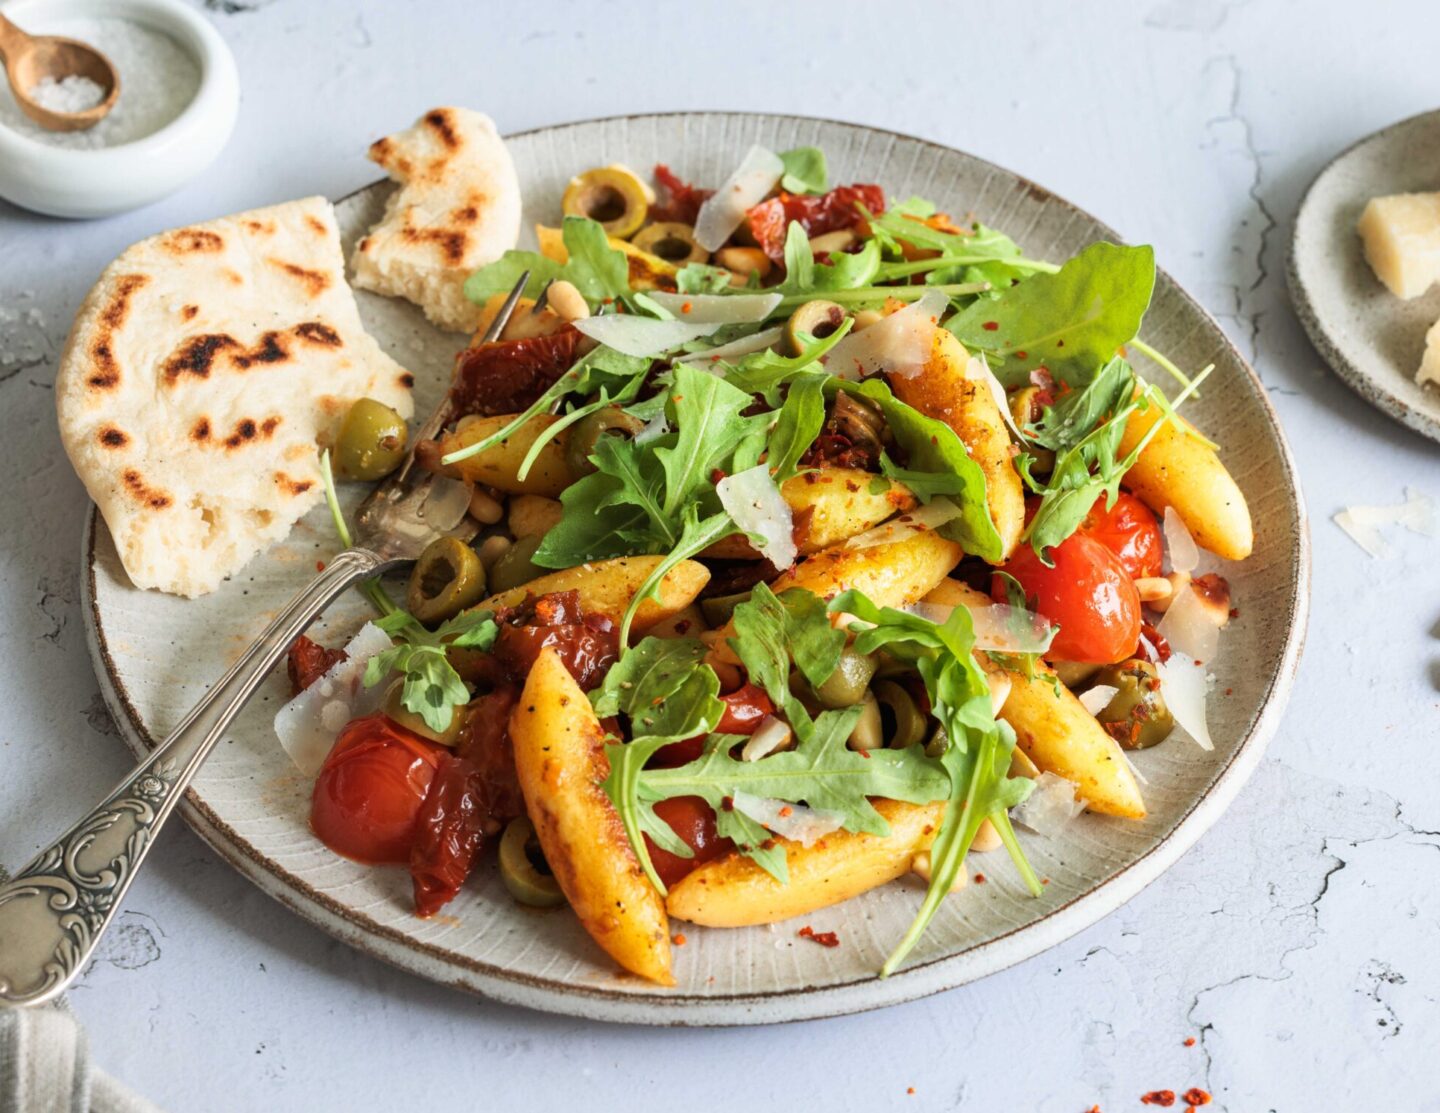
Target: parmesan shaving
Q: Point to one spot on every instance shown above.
(1096, 699)
(744, 346)
(308, 724)
(754, 502)
(799, 822)
(1363, 524)
(642, 336)
(921, 520)
(770, 736)
(1179, 544)
(1189, 627)
(1007, 629)
(725, 309)
(724, 209)
(1185, 686)
(978, 368)
(900, 344)
(1051, 807)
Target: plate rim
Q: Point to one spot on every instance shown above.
(665, 1008)
(1377, 393)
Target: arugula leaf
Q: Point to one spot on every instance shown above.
(981, 255)
(597, 269)
(805, 170)
(432, 687)
(764, 373)
(701, 278)
(800, 420)
(845, 271)
(707, 414)
(775, 630)
(1076, 414)
(977, 754)
(820, 771)
(933, 447)
(1072, 322)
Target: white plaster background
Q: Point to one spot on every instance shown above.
(1297, 943)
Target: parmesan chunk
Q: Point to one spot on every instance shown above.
(1401, 234)
(1430, 365)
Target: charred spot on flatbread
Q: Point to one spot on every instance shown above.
(315, 282)
(407, 380)
(112, 436)
(200, 431)
(142, 492)
(189, 311)
(293, 486)
(316, 225)
(439, 119)
(323, 336)
(105, 371)
(450, 241)
(260, 227)
(193, 241)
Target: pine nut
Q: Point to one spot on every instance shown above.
(1152, 589)
(867, 317)
(485, 508)
(920, 864)
(744, 261)
(567, 301)
(492, 549)
(986, 838)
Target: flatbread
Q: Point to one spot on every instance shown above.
(457, 208)
(203, 369)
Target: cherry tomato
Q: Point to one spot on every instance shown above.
(370, 789)
(694, 821)
(1087, 593)
(744, 708)
(508, 375)
(1130, 530)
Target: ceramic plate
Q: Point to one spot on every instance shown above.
(156, 654)
(1371, 338)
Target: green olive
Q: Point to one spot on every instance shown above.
(1074, 674)
(371, 443)
(412, 721)
(523, 868)
(672, 241)
(817, 319)
(586, 434)
(446, 579)
(611, 195)
(719, 609)
(868, 733)
(903, 723)
(517, 567)
(846, 686)
(1136, 715)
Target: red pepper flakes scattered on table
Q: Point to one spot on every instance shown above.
(1194, 1098)
(1189, 1041)
(1163, 1098)
(824, 938)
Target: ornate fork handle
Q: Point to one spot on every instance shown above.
(53, 912)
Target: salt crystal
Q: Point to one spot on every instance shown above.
(158, 78)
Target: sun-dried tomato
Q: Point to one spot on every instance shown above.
(680, 201)
(817, 213)
(308, 661)
(508, 375)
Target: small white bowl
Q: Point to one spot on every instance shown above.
(66, 182)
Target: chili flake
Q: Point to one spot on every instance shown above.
(687, 307)
(1189, 1041)
(1163, 1098)
(1195, 1097)
(319, 566)
(979, 879)
(678, 939)
(824, 938)
(991, 326)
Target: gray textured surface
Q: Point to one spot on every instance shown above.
(1296, 942)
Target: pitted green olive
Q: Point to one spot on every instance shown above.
(1136, 716)
(868, 733)
(413, 722)
(516, 567)
(719, 609)
(610, 195)
(523, 868)
(902, 720)
(846, 685)
(672, 241)
(586, 434)
(371, 443)
(446, 579)
(817, 319)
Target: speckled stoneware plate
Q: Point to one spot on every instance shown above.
(1371, 338)
(155, 655)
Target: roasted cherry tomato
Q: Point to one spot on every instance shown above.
(694, 821)
(308, 661)
(370, 790)
(508, 375)
(1130, 530)
(744, 708)
(1087, 593)
(680, 201)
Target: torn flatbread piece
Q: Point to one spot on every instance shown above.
(203, 370)
(457, 208)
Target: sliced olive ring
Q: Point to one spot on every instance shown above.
(868, 732)
(1137, 716)
(904, 722)
(446, 579)
(846, 686)
(610, 195)
(672, 241)
(523, 868)
(371, 443)
(415, 723)
(816, 319)
(580, 445)
(516, 566)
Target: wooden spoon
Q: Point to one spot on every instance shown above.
(29, 58)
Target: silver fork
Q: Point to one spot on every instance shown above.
(54, 911)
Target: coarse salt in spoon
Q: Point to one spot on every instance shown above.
(48, 61)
